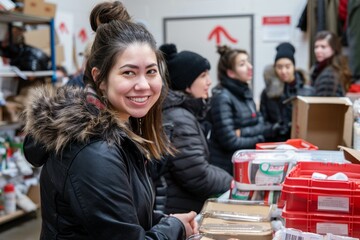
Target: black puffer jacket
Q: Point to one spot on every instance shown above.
(189, 176)
(233, 108)
(98, 186)
(276, 104)
(327, 83)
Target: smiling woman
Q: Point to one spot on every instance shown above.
(134, 83)
(96, 142)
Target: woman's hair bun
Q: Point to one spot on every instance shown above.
(222, 49)
(169, 50)
(106, 12)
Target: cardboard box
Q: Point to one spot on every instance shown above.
(39, 8)
(221, 229)
(351, 154)
(59, 54)
(34, 194)
(39, 38)
(225, 218)
(324, 121)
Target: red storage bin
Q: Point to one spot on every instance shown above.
(303, 194)
(297, 143)
(323, 223)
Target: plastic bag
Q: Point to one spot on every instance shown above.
(27, 58)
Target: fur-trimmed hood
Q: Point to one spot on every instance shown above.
(274, 87)
(57, 117)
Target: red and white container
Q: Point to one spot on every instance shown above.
(9, 198)
(302, 193)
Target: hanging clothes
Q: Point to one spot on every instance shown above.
(353, 37)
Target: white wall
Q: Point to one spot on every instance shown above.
(76, 13)
(151, 13)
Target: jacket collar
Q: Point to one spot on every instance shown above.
(236, 87)
(197, 106)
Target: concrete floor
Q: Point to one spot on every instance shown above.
(24, 228)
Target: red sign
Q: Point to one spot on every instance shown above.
(63, 28)
(276, 20)
(83, 35)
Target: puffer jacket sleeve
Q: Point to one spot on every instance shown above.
(261, 128)
(190, 167)
(104, 179)
(224, 130)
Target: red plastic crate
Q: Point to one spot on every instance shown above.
(323, 223)
(303, 194)
(297, 143)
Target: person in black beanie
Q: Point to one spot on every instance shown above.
(183, 67)
(186, 179)
(282, 82)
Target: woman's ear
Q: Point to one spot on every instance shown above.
(230, 73)
(94, 73)
(188, 90)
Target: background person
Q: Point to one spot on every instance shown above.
(236, 124)
(190, 179)
(331, 75)
(283, 82)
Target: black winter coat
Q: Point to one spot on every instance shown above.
(189, 177)
(232, 108)
(327, 83)
(276, 107)
(97, 187)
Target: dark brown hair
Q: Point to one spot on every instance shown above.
(337, 61)
(106, 11)
(227, 59)
(113, 37)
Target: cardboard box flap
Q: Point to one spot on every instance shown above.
(326, 100)
(351, 155)
(324, 121)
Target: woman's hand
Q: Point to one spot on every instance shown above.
(188, 219)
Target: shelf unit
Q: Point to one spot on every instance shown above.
(9, 18)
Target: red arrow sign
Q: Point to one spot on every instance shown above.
(82, 35)
(217, 32)
(63, 28)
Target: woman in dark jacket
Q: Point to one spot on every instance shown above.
(236, 124)
(190, 179)
(283, 82)
(95, 143)
(331, 75)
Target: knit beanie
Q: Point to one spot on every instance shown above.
(285, 50)
(183, 67)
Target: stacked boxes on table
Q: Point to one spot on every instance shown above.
(225, 219)
(259, 174)
(322, 205)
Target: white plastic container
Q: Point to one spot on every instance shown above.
(9, 198)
